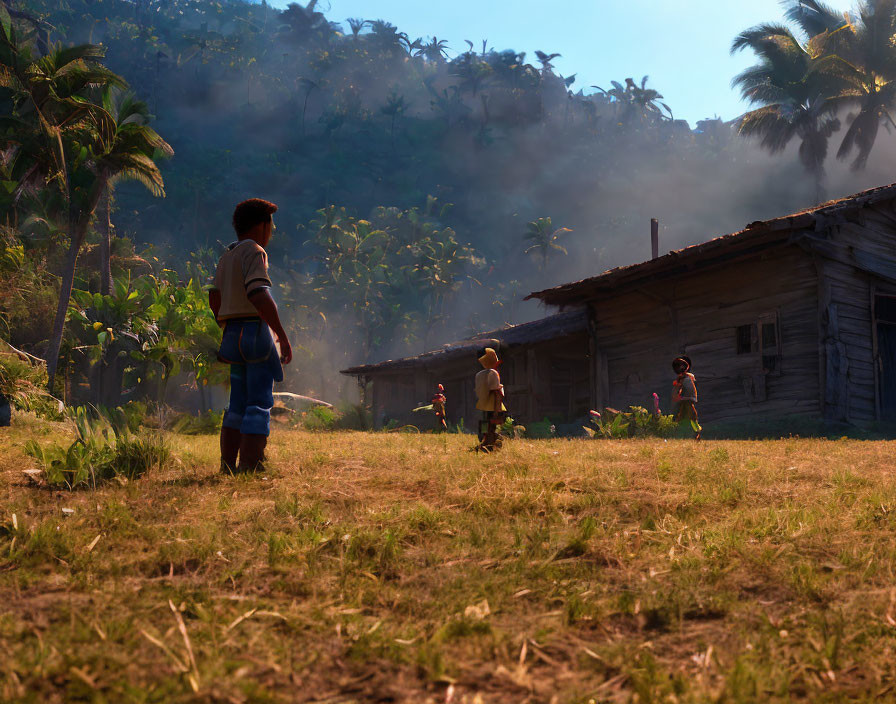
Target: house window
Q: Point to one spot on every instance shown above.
(744, 339)
(885, 309)
(762, 338)
(770, 343)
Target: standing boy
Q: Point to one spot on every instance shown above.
(242, 304)
(684, 394)
(489, 399)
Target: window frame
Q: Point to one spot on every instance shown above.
(770, 319)
(758, 348)
(749, 328)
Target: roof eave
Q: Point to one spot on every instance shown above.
(757, 237)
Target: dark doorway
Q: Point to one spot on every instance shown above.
(885, 319)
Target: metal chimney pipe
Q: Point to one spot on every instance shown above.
(654, 238)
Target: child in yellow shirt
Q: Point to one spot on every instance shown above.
(489, 399)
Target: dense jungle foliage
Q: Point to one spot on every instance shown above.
(423, 190)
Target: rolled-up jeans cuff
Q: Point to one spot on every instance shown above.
(232, 420)
(256, 421)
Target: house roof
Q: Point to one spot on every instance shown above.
(551, 328)
(753, 238)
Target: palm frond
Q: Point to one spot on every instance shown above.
(142, 169)
(860, 136)
(814, 17)
(750, 38)
(769, 125)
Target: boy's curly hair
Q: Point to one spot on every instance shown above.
(250, 213)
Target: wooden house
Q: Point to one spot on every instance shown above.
(791, 316)
(545, 371)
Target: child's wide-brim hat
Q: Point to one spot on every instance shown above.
(686, 360)
(490, 359)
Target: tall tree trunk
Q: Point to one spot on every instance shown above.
(105, 228)
(65, 293)
(820, 191)
(77, 228)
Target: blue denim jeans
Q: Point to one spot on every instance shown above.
(248, 347)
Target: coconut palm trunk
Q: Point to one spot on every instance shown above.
(105, 228)
(65, 293)
(78, 230)
(821, 192)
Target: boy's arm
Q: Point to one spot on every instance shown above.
(267, 309)
(497, 388)
(214, 302)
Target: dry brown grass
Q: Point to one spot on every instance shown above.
(384, 567)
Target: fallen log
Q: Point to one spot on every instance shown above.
(286, 397)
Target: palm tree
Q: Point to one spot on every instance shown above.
(309, 85)
(471, 70)
(387, 37)
(395, 106)
(545, 61)
(637, 103)
(130, 153)
(435, 51)
(861, 53)
(797, 100)
(301, 21)
(49, 98)
(356, 25)
(544, 238)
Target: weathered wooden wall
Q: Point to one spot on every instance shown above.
(548, 379)
(639, 332)
(819, 292)
(856, 261)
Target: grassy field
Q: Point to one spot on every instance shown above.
(395, 567)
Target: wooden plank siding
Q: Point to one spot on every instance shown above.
(866, 239)
(639, 332)
(819, 273)
(547, 379)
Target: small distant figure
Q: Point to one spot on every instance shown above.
(489, 400)
(684, 394)
(438, 407)
(241, 301)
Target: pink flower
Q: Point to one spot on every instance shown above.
(594, 414)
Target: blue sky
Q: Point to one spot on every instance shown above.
(683, 45)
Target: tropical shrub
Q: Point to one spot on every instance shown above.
(24, 384)
(104, 449)
(320, 418)
(145, 332)
(354, 416)
(541, 429)
(27, 294)
(636, 422)
(510, 429)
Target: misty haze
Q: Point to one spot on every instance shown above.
(341, 361)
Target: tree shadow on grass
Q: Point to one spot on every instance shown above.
(196, 480)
